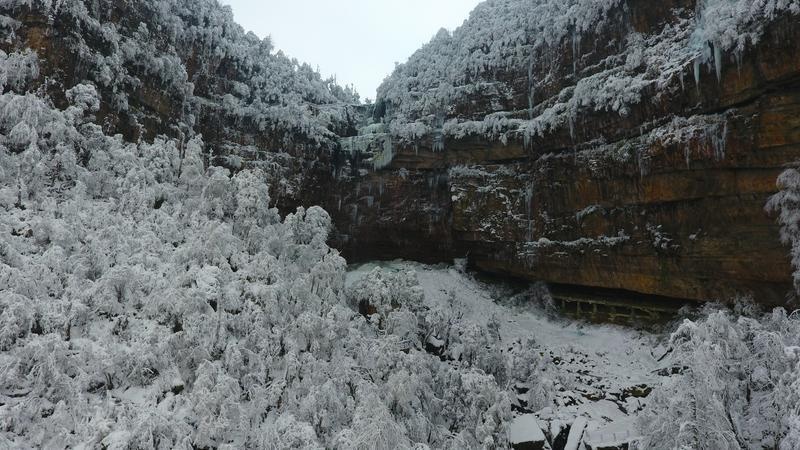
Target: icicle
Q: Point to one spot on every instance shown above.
(571, 121)
(438, 133)
(718, 62)
(697, 73)
(531, 90)
(576, 44)
(530, 101)
(529, 210)
(720, 141)
(380, 186)
(683, 84)
(687, 152)
(644, 163)
(526, 139)
(438, 141)
(340, 202)
(385, 157)
(737, 55)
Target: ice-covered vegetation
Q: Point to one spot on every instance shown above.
(505, 39)
(152, 301)
(730, 26)
(786, 206)
(737, 387)
(377, 146)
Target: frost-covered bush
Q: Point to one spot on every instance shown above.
(85, 97)
(737, 386)
(381, 292)
(786, 204)
(17, 69)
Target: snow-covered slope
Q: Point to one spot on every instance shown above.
(724, 379)
(149, 301)
(572, 368)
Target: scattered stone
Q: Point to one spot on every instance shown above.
(525, 434)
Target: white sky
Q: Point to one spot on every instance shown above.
(357, 40)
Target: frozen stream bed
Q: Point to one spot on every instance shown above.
(598, 373)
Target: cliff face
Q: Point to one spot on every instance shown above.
(180, 68)
(625, 144)
(634, 154)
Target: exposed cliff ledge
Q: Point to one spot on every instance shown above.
(621, 155)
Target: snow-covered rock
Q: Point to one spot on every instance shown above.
(524, 433)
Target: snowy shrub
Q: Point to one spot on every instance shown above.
(786, 204)
(17, 69)
(737, 386)
(286, 431)
(374, 427)
(85, 97)
(381, 292)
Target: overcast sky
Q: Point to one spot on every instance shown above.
(356, 40)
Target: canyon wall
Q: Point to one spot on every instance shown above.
(625, 157)
(630, 145)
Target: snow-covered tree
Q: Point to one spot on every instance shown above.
(735, 389)
(786, 205)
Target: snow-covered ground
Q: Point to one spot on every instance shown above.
(599, 371)
(723, 378)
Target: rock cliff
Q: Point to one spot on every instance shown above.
(180, 68)
(631, 146)
(626, 145)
